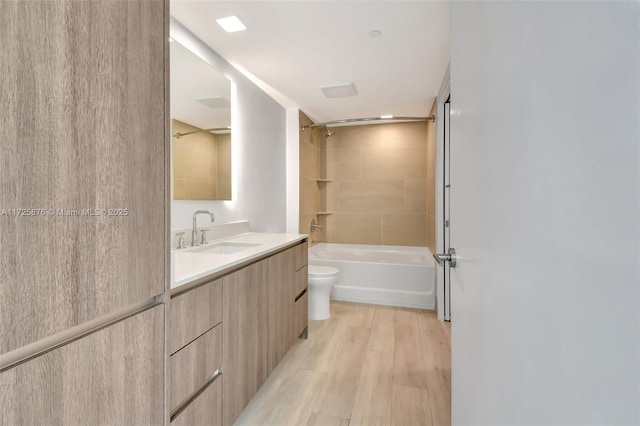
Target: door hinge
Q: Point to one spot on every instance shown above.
(446, 223)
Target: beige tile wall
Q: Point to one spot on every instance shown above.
(201, 165)
(378, 193)
(311, 141)
(431, 183)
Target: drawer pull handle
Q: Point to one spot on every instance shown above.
(300, 295)
(180, 408)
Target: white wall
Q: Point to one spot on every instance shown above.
(545, 166)
(259, 152)
(293, 170)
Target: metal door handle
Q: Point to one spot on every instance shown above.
(449, 257)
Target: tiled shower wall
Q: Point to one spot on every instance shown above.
(378, 193)
(201, 164)
(310, 147)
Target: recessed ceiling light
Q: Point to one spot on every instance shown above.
(231, 24)
(375, 33)
(340, 90)
(386, 117)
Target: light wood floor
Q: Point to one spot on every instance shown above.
(366, 365)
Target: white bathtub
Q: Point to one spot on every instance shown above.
(382, 275)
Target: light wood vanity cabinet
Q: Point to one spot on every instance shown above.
(192, 365)
(84, 125)
(300, 320)
(263, 309)
(300, 255)
(280, 296)
(195, 344)
(83, 114)
(261, 316)
(112, 377)
(193, 313)
(288, 307)
(245, 335)
(206, 410)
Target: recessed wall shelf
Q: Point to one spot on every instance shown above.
(324, 213)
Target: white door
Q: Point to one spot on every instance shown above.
(545, 212)
(446, 189)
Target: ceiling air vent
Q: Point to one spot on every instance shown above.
(217, 102)
(340, 91)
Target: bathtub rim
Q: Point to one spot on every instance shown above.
(428, 261)
(356, 292)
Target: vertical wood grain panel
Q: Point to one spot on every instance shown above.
(206, 410)
(194, 364)
(114, 376)
(300, 281)
(301, 255)
(280, 294)
(299, 308)
(244, 337)
(300, 318)
(82, 94)
(193, 313)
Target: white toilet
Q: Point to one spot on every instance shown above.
(321, 280)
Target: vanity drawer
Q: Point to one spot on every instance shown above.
(191, 366)
(204, 410)
(300, 281)
(301, 315)
(300, 255)
(193, 313)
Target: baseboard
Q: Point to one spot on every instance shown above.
(376, 296)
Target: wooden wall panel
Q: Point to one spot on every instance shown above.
(82, 95)
(113, 376)
(280, 298)
(193, 313)
(244, 338)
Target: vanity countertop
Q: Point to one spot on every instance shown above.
(189, 266)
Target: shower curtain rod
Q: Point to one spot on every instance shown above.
(431, 118)
(217, 129)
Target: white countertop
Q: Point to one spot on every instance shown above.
(188, 266)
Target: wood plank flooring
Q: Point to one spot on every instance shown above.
(366, 365)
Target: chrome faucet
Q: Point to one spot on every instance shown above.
(194, 233)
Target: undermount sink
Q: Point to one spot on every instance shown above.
(226, 248)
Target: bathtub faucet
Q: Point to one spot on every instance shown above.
(315, 225)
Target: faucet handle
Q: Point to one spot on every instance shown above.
(180, 236)
(313, 226)
(203, 239)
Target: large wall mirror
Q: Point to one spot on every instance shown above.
(200, 127)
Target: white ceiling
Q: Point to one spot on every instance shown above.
(297, 47)
(193, 79)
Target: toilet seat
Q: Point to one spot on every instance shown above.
(322, 271)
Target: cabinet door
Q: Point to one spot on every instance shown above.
(300, 316)
(206, 410)
(244, 360)
(301, 255)
(281, 267)
(113, 376)
(83, 127)
(193, 313)
(192, 365)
